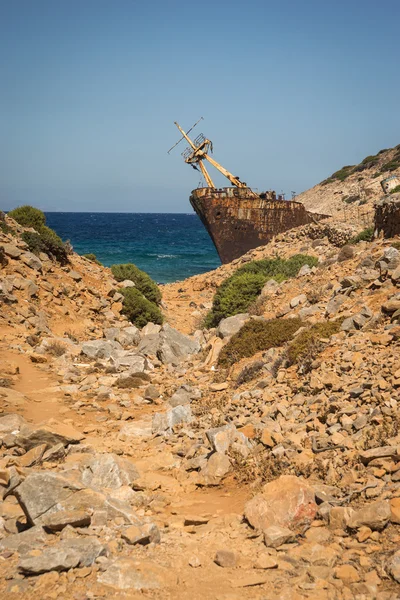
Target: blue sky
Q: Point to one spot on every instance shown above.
(290, 91)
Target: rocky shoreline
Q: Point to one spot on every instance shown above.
(132, 464)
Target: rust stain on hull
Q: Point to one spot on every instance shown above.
(239, 220)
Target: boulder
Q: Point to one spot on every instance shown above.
(275, 536)
(375, 516)
(41, 493)
(108, 471)
(57, 521)
(287, 502)
(75, 276)
(222, 438)
(232, 325)
(184, 395)
(394, 566)
(127, 283)
(25, 541)
(163, 423)
(141, 534)
(134, 362)
(128, 573)
(11, 423)
(65, 555)
(100, 349)
(11, 250)
(175, 346)
(32, 261)
(51, 432)
(149, 344)
(217, 467)
(150, 329)
(128, 336)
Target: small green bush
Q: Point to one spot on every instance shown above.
(390, 166)
(138, 309)
(54, 244)
(92, 258)
(5, 228)
(34, 241)
(256, 336)
(395, 190)
(307, 344)
(367, 235)
(142, 280)
(28, 216)
(343, 173)
(45, 239)
(238, 292)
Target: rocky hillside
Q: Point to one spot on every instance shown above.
(137, 463)
(350, 192)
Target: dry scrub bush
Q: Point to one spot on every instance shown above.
(256, 336)
(249, 372)
(257, 468)
(133, 381)
(56, 349)
(308, 344)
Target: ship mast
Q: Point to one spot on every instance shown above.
(198, 152)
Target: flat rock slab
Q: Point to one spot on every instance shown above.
(42, 492)
(50, 433)
(287, 502)
(127, 574)
(25, 541)
(66, 555)
(108, 471)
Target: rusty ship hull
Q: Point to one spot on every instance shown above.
(238, 219)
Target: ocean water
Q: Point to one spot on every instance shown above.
(169, 247)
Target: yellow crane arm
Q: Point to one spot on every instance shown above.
(200, 153)
(228, 175)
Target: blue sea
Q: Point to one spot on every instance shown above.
(169, 247)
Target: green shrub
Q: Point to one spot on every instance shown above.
(143, 282)
(390, 166)
(256, 336)
(234, 296)
(238, 292)
(308, 343)
(28, 216)
(92, 258)
(138, 309)
(34, 241)
(395, 190)
(343, 173)
(54, 244)
(5, 228)
(351, 199)
(367, 235)
(45, 239)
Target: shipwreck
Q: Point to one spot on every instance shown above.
(237, 218)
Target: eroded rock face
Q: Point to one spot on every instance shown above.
(287, 502)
